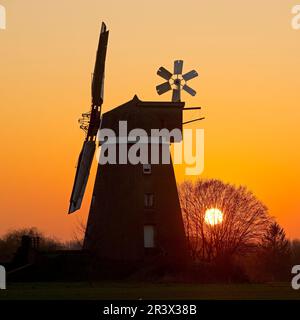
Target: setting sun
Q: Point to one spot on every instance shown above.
(213, 216)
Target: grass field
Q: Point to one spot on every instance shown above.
(102, 291)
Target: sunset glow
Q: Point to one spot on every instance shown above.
(213, 216)
(247, 87)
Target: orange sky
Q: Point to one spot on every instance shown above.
(246, 53)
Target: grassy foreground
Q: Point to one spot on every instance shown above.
(102, 291)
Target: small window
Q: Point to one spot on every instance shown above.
(149, 235)
(147, 168)
(149, 200)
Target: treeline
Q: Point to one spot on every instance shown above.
(246, 244)
(11, 241)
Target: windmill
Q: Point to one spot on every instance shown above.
(90, 123)
(135, 217)
(176, 81)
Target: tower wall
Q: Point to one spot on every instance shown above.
(126, 199)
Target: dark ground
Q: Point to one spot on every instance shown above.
(110, 290)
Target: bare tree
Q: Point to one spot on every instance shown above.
(244, 219)
(79, 234)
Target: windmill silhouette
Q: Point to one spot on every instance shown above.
(135, 216)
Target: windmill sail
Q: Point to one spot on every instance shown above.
(88, 150)
(83, 170)
(98, 76)
(176, 81)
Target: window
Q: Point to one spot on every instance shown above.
(147, 168)
(148, 200)
(149, 234)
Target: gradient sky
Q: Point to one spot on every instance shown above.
(246, 53)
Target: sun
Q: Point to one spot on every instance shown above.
(213, 216)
